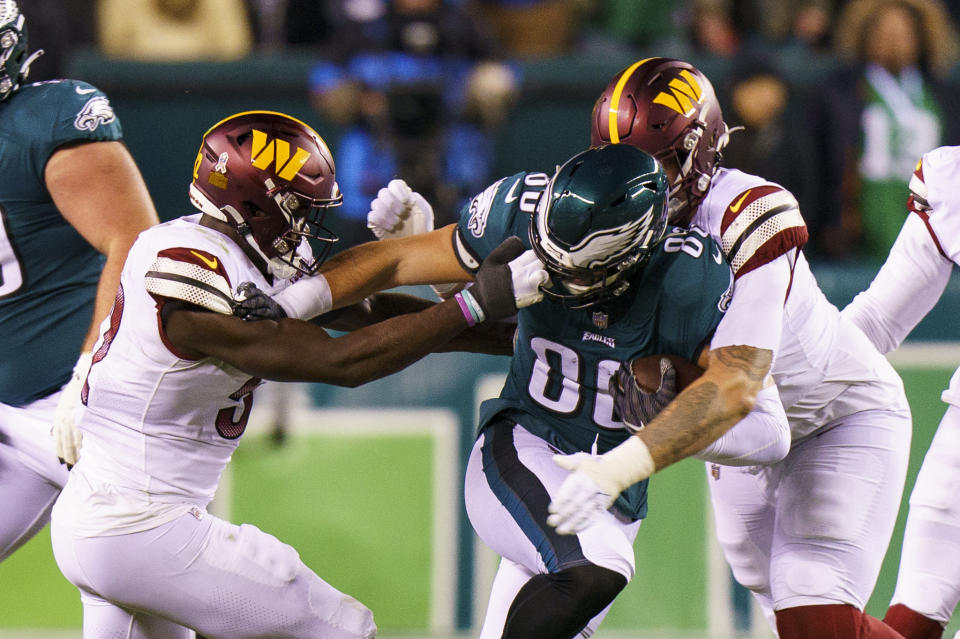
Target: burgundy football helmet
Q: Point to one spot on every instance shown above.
(669, 109)
(272, 177)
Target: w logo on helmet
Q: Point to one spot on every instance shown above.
(684, 92)
(267, 151)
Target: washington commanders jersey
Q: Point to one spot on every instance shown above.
(824, 368)
(159, 427)
(48, 272)
(557, 387)
(921, 260)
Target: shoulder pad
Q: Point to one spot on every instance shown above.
(759, 225)
(193, 276)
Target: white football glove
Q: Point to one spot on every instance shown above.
(66, 435)
(595, 483)
(398, 211)
(528, 274)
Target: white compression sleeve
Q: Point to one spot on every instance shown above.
(306, 298)
(907, 286)
(762, 437)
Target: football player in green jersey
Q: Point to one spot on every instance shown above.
(72, 201)
(623, 286)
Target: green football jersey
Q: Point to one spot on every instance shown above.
(48, 272)
(557, 387)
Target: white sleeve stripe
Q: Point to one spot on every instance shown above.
(190, 283)
(757, 209)
(464, 253)
(788, 219)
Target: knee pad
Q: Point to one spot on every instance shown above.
(560, 604)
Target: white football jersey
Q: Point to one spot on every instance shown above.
(158, 427)
(824, 367)
(918, 268)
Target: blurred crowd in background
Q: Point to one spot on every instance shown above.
(420, 87)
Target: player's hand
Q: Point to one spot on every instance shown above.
(508, 279)
(250, 303)
(595, 483)
(636, 406)
(66, 436)
(584, 494)
(398, 211)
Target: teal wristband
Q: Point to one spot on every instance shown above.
(475, 310)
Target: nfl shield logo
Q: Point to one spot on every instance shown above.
(600, 319)
(715, 471)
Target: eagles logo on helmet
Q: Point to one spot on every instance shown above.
(272, 178)
(597, 221)
(14, 61)
(669, 109)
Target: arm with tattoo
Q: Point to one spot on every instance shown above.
(709, 406)
(702, 412)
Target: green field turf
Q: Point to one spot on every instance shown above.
(359, 511)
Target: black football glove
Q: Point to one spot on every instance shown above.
(510, 278)
(251, 303)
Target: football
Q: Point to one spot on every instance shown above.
(646, 370)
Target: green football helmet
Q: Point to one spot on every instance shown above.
(597, 221)
(14, 61)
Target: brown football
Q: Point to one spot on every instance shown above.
(646, 370)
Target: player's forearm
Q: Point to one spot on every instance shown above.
(376, 308)
(293, 350)
(709, 406)
(762, 437)
(376, 351)
(488, 338)
(368, 268)
(107, 288)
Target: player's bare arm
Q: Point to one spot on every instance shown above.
(98, 189)
(374, 266)
(100, 192)
(491, 338)
(293, 350)
(710, 405)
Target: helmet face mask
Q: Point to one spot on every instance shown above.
(272, 178)
(669, 109)
(597, 222)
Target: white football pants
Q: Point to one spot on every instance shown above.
(510, 478)
(929, 577)
(31, 476)
(201, 572)
(813, 528)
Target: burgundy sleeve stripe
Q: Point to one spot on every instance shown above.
(197, 257)
(926, 222)
(782, 243)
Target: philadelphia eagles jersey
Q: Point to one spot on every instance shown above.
(48, 272)
(563, 358)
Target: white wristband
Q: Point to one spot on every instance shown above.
(306, 298)
(628, 463)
